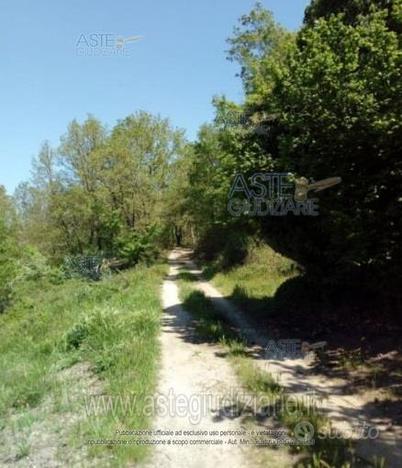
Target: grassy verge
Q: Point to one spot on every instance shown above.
(262, 273)
(112, 325)
(327, 451)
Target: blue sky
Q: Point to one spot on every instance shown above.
(174, 70)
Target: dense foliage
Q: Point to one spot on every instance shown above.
(322, 102)
(99, 192)
(330, 98)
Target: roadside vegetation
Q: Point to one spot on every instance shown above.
(110, 327)
(284, 408)
(281, 300)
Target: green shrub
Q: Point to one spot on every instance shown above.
(138, 247)
(76, 335)
(8, 265)
(34, 266)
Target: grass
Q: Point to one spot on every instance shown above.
(352, 359)
(266, 284)
(260, 276)
(327, 452)
(210, 326)
(23, 450)
(111, 324)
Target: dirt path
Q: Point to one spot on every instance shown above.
(196, 374)
(349, 412)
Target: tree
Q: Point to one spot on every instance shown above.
(8, 249)
(352, 9)
(334, 98)
(260, 47)
(100, 191)
(340, 107)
